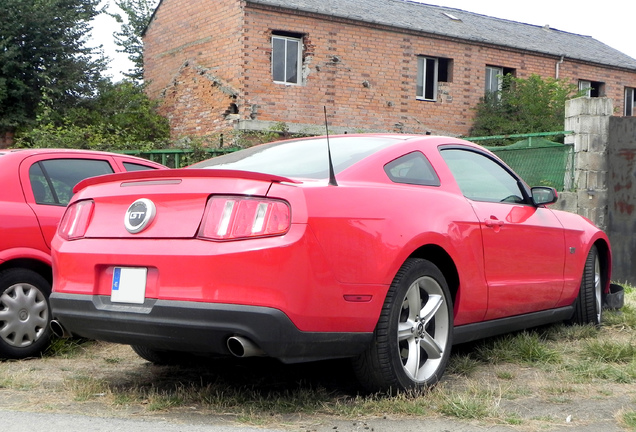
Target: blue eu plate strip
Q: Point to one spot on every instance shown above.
(116, 277)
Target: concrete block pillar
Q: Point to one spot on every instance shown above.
(589, 118)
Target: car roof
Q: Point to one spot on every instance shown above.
(23, 153)
(37, 151)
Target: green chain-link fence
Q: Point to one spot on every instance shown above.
(539, 161)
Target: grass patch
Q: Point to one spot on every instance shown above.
(66, 347)
(476, 403)
(625, 318)
(570, 333)
(462, 365)
(610, 351)
(86, 388)
(593, 371)
(505, 375)
(629, 419)
(490, 381)
(525, 347)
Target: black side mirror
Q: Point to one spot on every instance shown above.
(543, 195)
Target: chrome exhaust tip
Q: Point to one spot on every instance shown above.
(58, 329)
(243, 347)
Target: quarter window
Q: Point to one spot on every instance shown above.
(286, 59)
(430, 71)
(630, 101)
(481, 178)
(412, 168)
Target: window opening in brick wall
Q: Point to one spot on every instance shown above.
(286, 58)
(592, 88)
(630, 101)
(430, 71)
(494, 77)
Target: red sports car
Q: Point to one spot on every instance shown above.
(36, 187)
(387, 249)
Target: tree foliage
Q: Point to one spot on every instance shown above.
(120, 116)
(524, 106)
(44, 56)
(129, 39)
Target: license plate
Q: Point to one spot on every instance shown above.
(129, 285)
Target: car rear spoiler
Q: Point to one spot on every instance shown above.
(180, 173)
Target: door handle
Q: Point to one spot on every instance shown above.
(492, 223)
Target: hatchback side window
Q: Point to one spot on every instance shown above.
(481, 178)
(52, 180)
(412, 168)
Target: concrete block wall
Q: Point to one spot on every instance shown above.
(622, 197)
(588, 118)
(604, 188)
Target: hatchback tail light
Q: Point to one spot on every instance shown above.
(75, 221)
(231, 218)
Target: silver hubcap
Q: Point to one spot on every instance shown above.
(24, 315)
(598, 289)
(423, 329)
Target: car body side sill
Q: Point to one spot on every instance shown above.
(471, 332)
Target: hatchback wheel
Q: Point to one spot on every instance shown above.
(413, 337)
(24, 313)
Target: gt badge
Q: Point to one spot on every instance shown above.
(139, 215)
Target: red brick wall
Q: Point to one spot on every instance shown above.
(365, 76)
(190, 55)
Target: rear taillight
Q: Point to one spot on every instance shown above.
(75, 221)
(231, 218)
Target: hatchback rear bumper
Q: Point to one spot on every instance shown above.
(198, 327)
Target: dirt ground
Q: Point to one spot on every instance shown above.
(54, 385)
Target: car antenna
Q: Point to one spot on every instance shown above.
(332, 174)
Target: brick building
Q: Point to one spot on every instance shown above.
(376, 65)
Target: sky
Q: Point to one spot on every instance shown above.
(610, 21)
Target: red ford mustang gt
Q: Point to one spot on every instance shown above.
(37, 184)
(387, 249)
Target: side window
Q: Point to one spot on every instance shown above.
(481, 178)
(130, 166)
(52, 180)
(286, 59)
(592, 88)
(494, 78)
(430, 71)
(412, 168)
(630, 101)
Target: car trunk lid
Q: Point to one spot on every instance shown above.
(179, 198)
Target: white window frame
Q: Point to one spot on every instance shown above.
(630, 101)
(290, 50)
(494, 82)
(427, 72)
(585, 85)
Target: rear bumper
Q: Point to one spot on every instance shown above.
(200, 327)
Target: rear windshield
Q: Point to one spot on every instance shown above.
(306, 158)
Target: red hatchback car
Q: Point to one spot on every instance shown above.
(37, 186)
(387, 249)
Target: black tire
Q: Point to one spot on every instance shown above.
(160, 357)
(414, 334)
(588, 305)
(25, 313)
